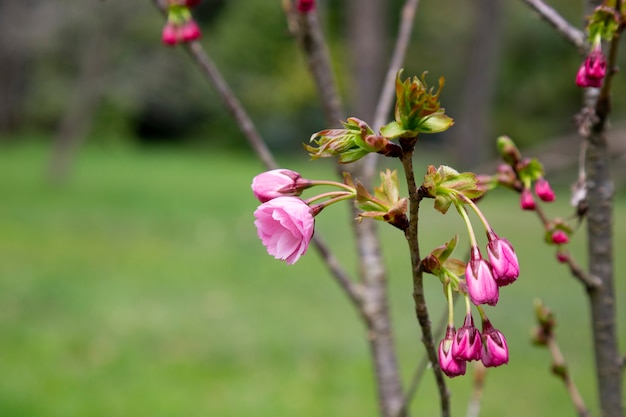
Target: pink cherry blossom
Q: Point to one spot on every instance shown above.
(495, 350)
(305, 6)
(277, 183)
(467, 343)
(481, 286)
(448, 363)
(526, 200)
(559, 237)
(593, 69)
(190, 31)
(544, 191)
(285, 225)
(504, 264)
(169, 34)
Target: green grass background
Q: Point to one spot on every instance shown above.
(140, 288)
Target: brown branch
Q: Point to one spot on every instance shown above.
(573, 35)
(545, 336)
(600, 250)
(421, 310)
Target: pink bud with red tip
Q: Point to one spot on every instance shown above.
(544, 191)
(277, 183)
(169, 34)
(448, 363)
(467, 343)
(190, 31)
(305, 6)
(495, 350)
(481, 286)
(527, 201)
(559, 237)
(593, 69)
(503, 260)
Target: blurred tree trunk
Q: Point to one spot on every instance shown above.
(472, 138)
(14, 59)
(82, 104)
(368, 46)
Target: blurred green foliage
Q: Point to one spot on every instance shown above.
(140, 288)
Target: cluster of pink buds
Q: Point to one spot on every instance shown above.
(285, 223)
(180, 26)
(593, 69)
(469, 344)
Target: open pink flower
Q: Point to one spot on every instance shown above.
(285, 226)
(448, 363)
(481, 286)
(503, 259)
(278, 183)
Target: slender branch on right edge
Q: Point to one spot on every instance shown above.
(572, 34)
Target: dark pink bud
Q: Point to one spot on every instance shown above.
(559, 237)
(168, 36)
(481, 286)
(305, 6)
(191, 3)
(277, 183)
(190, 31)
(495, 350)
(593, 70)
(544, 191)
(562, 257)
(527, 201)
(467, 342)
(449, 365)
(504, 264)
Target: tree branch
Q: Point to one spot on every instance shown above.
(572, 34)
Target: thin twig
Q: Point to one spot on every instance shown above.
(560, 369)
(421, 310)
(197, 53)
(572, 34)
(577, 272)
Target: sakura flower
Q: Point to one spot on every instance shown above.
(285, 225)
(504, 264)
(481, 286)
(448, 363)
(278, 183)
(495, 350)
(544, 191)
(467, 342)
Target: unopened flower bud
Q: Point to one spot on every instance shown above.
(278, 183)
(593, 69)
(503, 259)
(448, 363)
(508, 150)
(481, 286)
(495, 350)
(467, 344)
(544, 191)
(559, 237)
(169, 34)
(562, 257)
(305, 6)
(190, 31)
(526, 200)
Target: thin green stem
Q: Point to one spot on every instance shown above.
(333, 184)
(470, 230)
(332, 195)
(450, 305)
(476, 210)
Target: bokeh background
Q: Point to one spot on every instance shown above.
(132, 281)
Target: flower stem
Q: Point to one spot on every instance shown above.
(474, 207)
(332, 183)
(470, 230)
